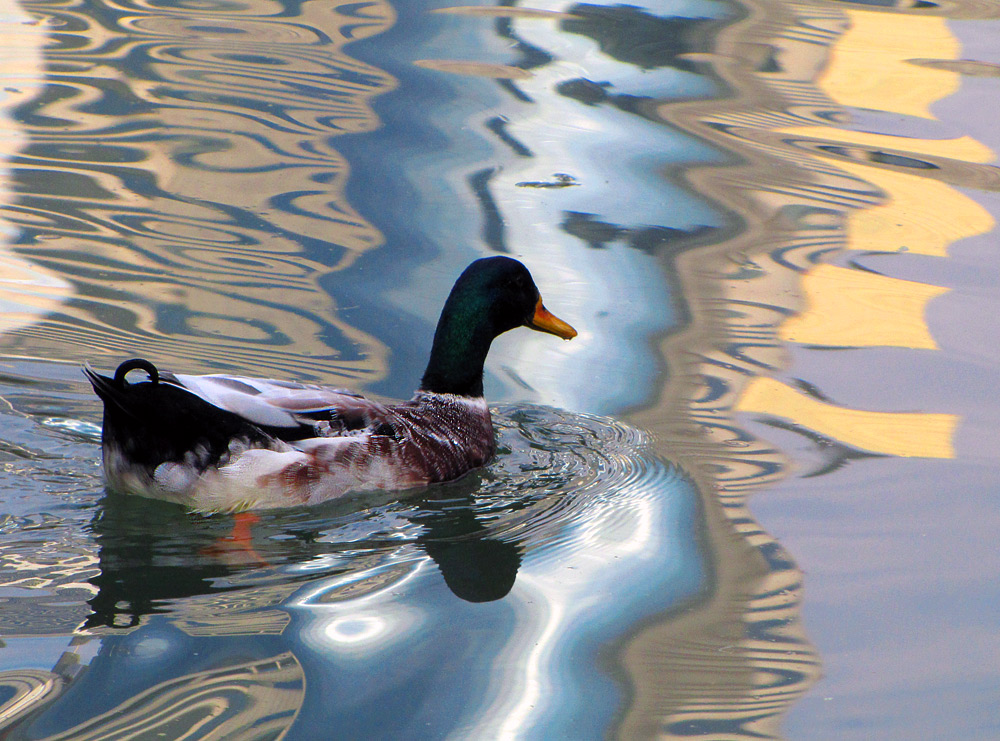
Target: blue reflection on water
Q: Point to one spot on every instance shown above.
(576, 186)
(495, 614)
(389, 651)
(512, 667)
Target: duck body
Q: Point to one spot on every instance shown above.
(223, 442)
(229, 443)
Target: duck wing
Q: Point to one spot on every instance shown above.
(287, 410)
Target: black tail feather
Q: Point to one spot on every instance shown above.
(136, 364)
(113, 390)
(152, 422)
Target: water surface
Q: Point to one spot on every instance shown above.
(771, 223)
(225, 187)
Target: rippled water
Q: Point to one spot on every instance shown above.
(509, 568)
(773, 224)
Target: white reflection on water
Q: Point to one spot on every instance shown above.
(359, 628)
(27, 291)
(563, 609)
(541, 662)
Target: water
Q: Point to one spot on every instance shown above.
(751, 499)
(373, 588)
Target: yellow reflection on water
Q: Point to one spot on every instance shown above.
(27, 292)
(852, 308)
(870, 68)
(919, 214)
(888, 433)
(807, 192)
(965, 148)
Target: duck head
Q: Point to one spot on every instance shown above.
(492, 296)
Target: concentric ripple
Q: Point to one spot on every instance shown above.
(552, 468)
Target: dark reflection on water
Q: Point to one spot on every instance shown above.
(636, 36)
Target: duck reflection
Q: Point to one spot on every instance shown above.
(153, 553)
(149, 554)
(476, 567)
(181, 596)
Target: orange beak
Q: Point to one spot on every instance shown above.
(543, 321)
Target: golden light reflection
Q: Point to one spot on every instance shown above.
(256, 699)
(27, 291)
(889, 433)
(964, 148)
(920, 214)
(869, 66)
(793, 68)
(853, 308)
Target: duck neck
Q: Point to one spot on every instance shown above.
(461, 343)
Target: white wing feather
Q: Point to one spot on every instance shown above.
(272, 403)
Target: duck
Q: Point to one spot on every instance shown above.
(224, 443)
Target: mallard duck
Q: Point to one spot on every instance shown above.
(228, 443)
